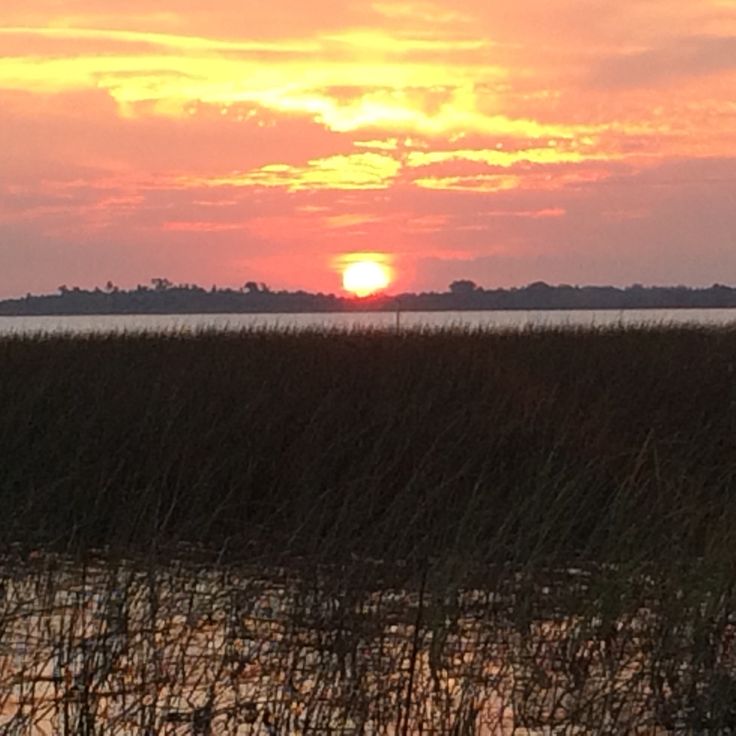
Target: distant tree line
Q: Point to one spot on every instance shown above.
(162, 296)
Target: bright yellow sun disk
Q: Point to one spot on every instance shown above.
(364, 278)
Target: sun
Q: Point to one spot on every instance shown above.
(365, 277)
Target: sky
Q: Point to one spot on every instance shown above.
(570, 141)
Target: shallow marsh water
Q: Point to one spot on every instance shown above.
(179, 649)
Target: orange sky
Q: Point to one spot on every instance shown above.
(579, 141)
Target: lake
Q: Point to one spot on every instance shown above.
(492, 319)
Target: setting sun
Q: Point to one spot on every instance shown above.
(365, 277)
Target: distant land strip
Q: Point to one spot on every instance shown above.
(162, 296)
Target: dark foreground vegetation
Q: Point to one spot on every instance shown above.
(164, 297)
(557, 444)
(369, 532)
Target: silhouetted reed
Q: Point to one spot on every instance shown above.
(453, 532)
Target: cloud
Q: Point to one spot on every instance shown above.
(578, 137)
(689, 56)
(354, 171)
(503, 159)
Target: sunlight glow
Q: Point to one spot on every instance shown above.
(366, 276)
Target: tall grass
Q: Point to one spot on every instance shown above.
(452, 527)
(551, 443)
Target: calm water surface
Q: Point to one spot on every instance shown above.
(502, 319)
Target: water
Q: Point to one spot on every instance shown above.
(88, 324)
(185, 649)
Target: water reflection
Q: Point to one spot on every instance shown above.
(191, 649)
(499, 319)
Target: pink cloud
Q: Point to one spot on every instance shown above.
(571, 140)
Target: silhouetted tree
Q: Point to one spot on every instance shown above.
(161, 284)
(163, 296)
(463, 287)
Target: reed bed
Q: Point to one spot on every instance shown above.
(439, 532)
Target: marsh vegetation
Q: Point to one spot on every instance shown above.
(456, 532)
